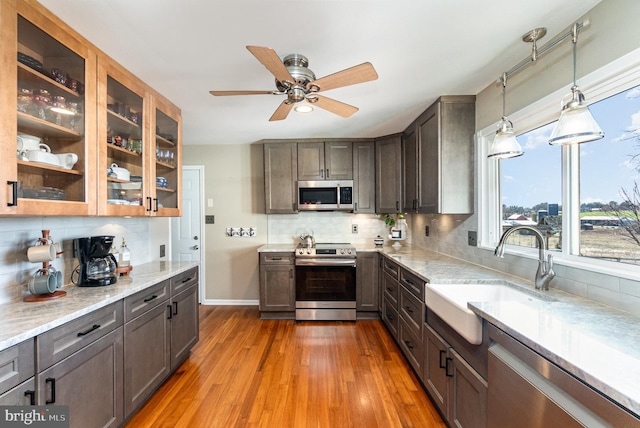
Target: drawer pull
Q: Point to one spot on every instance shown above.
(93, 328)
(389, 289)
(52, 381)
(440, 363)
(147, 300)
(409, 344)
(446, 367)
(31, 395)
(276, 258)
(408, 281)
(408, 309)
(186, 280)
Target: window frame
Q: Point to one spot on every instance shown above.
(613, 78)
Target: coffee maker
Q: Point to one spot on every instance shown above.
(97, 265)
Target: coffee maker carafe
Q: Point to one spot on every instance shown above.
(97, 265)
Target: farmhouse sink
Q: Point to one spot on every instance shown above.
(449, 302)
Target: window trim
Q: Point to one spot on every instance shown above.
(615, 77)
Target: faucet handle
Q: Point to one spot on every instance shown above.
(550, 265)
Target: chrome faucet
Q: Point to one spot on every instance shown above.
(545, 272)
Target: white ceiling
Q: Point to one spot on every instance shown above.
(420, 48)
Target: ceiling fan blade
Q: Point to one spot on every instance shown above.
(270, 59)
(226, 93)
(350, 76)
(333, 106)
(282, 111)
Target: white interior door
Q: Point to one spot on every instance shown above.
(187, 242)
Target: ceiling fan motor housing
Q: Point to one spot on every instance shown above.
(297, 66)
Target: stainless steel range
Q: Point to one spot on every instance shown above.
(326, 282)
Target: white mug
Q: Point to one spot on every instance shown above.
(41, 253)
(28, 142)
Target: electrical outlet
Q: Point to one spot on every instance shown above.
(354, 228)
(472, 238)
(162, 250)
(426, 231)
(209, 219)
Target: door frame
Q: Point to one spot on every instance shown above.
(202, 240)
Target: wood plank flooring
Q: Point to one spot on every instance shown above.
(247, 372)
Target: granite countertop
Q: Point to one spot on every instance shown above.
(598, 344)
(25, 320)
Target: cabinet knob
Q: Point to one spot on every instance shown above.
(195, 238)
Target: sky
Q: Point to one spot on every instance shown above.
(605, 165)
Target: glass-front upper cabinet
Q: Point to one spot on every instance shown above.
(124, 149)
(166, 170)
(48, 95)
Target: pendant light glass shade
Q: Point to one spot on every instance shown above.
(504, 144)
(576, 124)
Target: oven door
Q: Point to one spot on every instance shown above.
(326, 281)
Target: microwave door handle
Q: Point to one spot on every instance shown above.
(338, 195)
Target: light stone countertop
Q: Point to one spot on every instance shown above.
(25, 320)
(597, 344)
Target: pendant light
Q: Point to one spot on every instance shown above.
(576, 124)
(504, 144)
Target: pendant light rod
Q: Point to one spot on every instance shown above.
(541, 51)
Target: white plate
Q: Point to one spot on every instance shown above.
(125, 186)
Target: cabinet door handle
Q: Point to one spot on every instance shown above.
(175, 308)
(415, 205)
(93, 328)
(31, 395)
(446, 367)
(355, 207)
(290, 273)
(14, 190)
(440, 363)
(397, 205)
(156, 208)
(148, 203)
(328, 173)
(52, 381)
(148, 299)
(170, 312)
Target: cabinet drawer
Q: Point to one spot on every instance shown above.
(390, 286)
(184, 280)
(411, 310)
(59, 343)
(139, 303)
(390, 317)
(413, 283)
(411, 345)
(277, 258)
(391, 268)
(17, 364)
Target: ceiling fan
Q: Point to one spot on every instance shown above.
(299, 84)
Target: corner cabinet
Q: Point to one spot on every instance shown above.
(438, 158)
(53, 75)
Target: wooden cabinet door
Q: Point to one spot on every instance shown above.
(428, 190)
(338, 162)
(147, 356)
(468, 403)
(367, 282)
(277, 288)
(184, 324)
(21, 395)
(389, 174)
(434, 368)
(89, 382)
(280, 178)
(410, 170)
(311, 161)
(364, 177)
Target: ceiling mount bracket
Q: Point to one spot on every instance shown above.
(532, 37)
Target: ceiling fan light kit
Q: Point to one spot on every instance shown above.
(294, 79)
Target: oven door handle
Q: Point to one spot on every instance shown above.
(326, 262)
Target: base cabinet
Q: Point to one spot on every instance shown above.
(277, 283)
(455, 387)
(89, 382)
(367, 282)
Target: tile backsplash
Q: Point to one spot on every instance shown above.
(327, 227)
(17, 234)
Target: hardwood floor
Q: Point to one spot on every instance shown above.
(247, 372)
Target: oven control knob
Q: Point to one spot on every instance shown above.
(349, 251)
(308, 251)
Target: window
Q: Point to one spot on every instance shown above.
(585, 197)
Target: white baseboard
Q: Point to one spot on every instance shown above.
(221, 302)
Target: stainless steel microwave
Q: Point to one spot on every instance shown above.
(325, 195)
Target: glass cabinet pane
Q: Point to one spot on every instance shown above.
(50, 146)
(166, 161)
(124, 167)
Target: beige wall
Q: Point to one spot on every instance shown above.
(233, 181)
